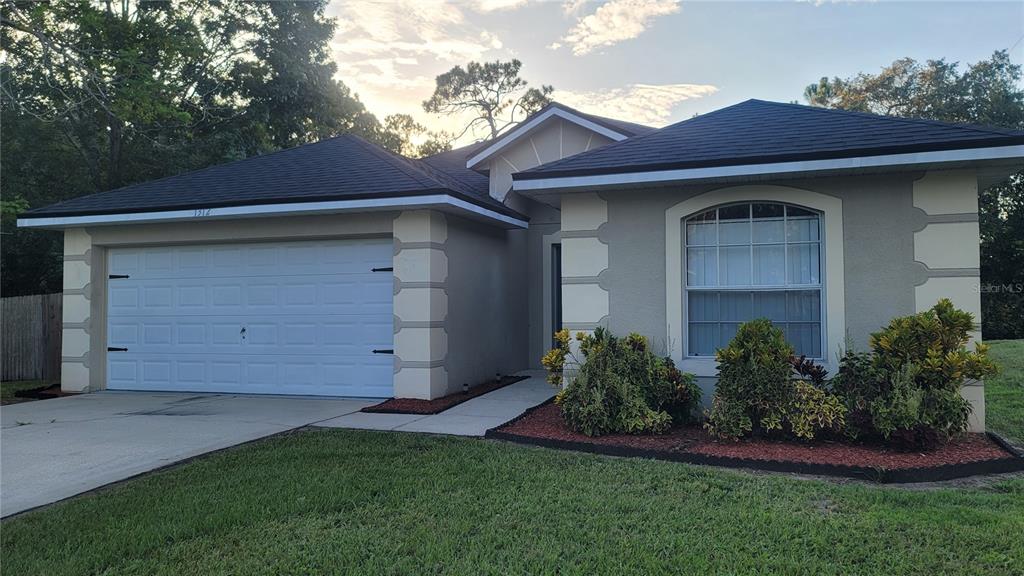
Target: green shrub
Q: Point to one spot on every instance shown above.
(813, 410)
(756, 389)
(907, 389)
(619, 385)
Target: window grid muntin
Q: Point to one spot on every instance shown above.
(785, 288)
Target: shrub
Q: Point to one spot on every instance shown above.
(756, 389)
(907, 388)
(619, 385)
(813, 410)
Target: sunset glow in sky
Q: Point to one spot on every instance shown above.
(652, 61)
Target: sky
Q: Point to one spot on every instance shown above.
(655, 62)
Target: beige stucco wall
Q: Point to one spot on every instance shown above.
(491, 337)
(554, 140)
(947, 248)
(894, 244)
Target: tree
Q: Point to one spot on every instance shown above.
(492, 94)
(289, 90)
(95, 95)
(986, 93)
(401, 132)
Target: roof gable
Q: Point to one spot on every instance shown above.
(615, 130)
(758, 131)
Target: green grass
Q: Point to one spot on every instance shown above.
(7, 389)
(1004, 394)
(337, 502)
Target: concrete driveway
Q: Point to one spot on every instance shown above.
(53, 449)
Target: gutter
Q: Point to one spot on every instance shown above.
(438, 201)
(774, 168)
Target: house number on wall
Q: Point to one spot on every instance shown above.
(202, 212)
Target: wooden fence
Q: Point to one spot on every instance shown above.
(30, 337)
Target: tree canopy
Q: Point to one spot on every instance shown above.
(986, 93)
(94, 96)
(491, 94)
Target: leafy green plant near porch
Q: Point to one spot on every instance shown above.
(907, 388)
(757, 390)
(618, 386)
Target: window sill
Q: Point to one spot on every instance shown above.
(707, 366)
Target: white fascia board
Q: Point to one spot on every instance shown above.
(525, 128)
(258, 210)
(962, 155)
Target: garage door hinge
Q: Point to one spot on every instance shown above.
(116, 276)
(113, 349)
(388, 269)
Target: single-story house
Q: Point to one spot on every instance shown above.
(339, 268)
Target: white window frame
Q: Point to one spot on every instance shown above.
(783, 288)
(833, 292)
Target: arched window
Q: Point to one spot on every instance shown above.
(753, 260)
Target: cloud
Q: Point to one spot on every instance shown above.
(614, 22)
(389, 51)
(649, 104)
(570, 7)
(498, 5)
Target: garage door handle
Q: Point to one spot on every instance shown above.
(388, 269)
(118, 276)
(383, 351)
(112, 349)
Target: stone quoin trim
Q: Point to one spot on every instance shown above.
(421, 305)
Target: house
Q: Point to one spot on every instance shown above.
(339, 268)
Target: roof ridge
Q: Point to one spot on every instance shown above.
(985, 129)
(613, 145)
(404, 164)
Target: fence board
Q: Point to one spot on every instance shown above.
(30, 337)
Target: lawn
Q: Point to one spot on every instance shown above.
(337, 501)
(1004, 394)
(7, 390)
(390, 503)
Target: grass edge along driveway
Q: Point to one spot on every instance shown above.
(339, 501)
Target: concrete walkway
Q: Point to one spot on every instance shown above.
(471, 418)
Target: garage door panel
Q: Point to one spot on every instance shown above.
(328, 294)
(283, 318)
(254, 374)
(231, 261)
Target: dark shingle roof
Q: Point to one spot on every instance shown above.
(757, 131)
(341, 168)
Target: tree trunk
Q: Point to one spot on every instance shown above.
(116, 136)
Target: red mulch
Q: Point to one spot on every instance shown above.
(546, 423)
(415, 406)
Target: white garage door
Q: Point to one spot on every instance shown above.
(275, 318)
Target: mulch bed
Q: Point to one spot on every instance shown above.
(437, 405)
(968, 456)
(44, 393)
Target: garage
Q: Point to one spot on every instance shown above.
(307, 318)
